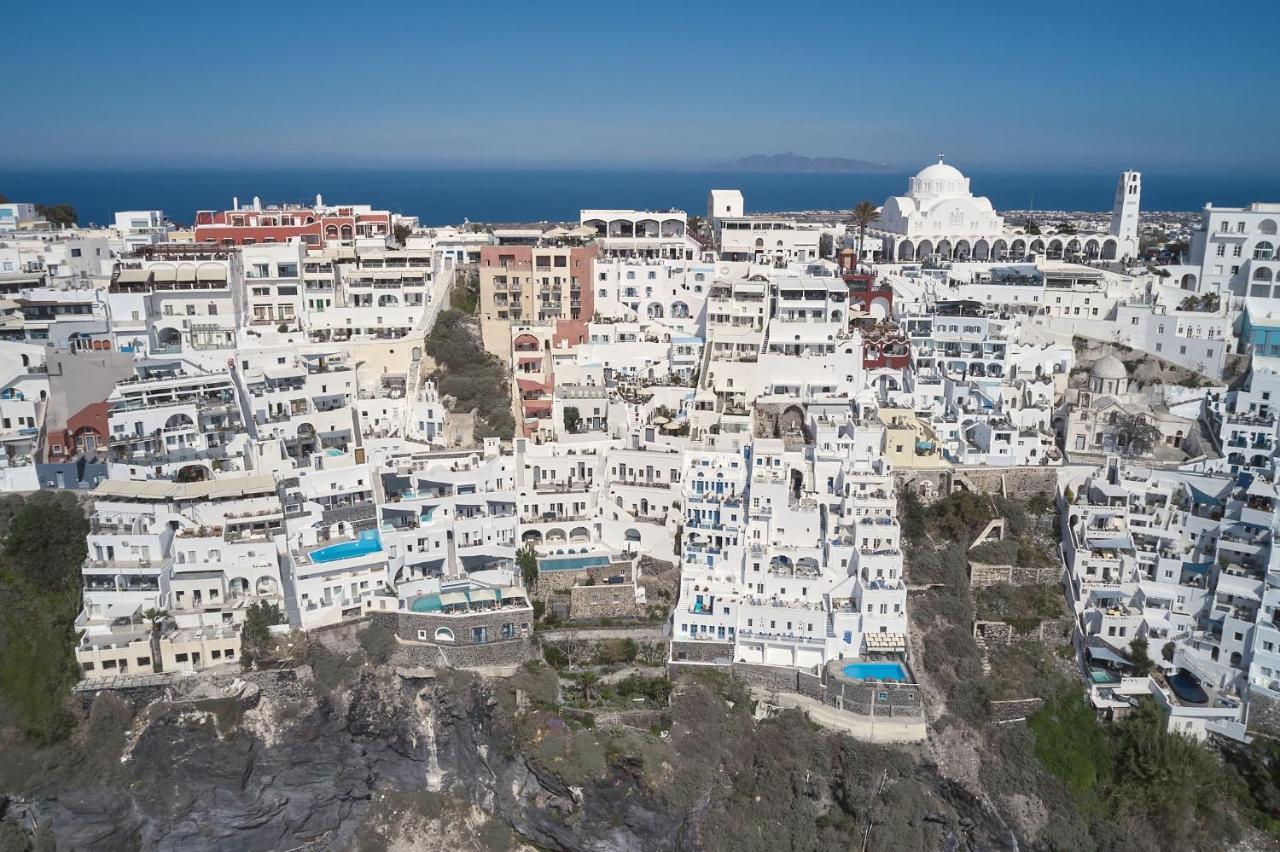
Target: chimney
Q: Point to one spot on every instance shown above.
(235, 202)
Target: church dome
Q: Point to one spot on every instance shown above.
(939, 171)
(938, 181)
(1108, 368)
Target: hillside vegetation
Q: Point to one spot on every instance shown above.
(1062, 780)
(471, 378)
(44, 546)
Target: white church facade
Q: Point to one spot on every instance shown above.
(941, 218)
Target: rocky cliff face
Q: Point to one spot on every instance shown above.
(381, 761)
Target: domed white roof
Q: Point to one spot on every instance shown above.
(939, 171)
(1109, 367)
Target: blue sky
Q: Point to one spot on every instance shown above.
(997, 86)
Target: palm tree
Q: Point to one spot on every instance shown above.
(863, 215)
(586, 682)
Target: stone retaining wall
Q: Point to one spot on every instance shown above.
(463, 651)
(642, 719)
(509, 653)
(1263, 714)
(1014, 708)
(992, 634)
(879, 700)
(603, 601)
(982, 574)
(640, 633)
(1014, 482)
(701, 652)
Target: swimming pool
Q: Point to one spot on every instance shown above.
(571, 563)
(876, 671)
(432, 603)
(368, 542)
(426, 603)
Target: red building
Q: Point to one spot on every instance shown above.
(315, 226)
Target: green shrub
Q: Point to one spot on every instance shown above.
(378, 639)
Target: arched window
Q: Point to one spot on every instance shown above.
(1264, 251)
(1262, 274)
(444, 634)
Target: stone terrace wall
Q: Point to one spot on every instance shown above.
(463, 651)
(642, 719)
(701, 652)
(992, 634)
(983, 574)
(608, 601)
(1015, 482)
(1264, 714)
(1015, 708)
(550, 582)
(881, 700)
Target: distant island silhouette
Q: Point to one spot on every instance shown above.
(792, 162)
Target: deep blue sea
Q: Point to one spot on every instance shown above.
(447, 196)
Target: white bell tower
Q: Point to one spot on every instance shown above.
(1124, 215)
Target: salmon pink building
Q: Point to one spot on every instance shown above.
(316, 225)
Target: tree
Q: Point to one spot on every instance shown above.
(255, 633)
(695, 225)
(864, 215)
(45, 543)
(402, 232)
(528, 562)
(1135, 435)
(572, 419)
(1032, 228)
(62, 215)
(911, 513)
(1142, 663)
(587, 684)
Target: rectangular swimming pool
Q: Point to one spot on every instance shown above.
(571, 563)
(368, 542)
(876, 671)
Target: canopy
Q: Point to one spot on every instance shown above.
(1102, 652)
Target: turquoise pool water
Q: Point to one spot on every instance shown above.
(426, 603)
(570, 563)
(368, 542)
(333, 451)
(431, 603)
(876, 671)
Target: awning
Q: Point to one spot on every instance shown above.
(1202, 498)
(483, 595)
(453, 599)
(1102, 652)
(513, 592)
(886, 641)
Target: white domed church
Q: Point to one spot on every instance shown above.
(941, 217)
(939, 205)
